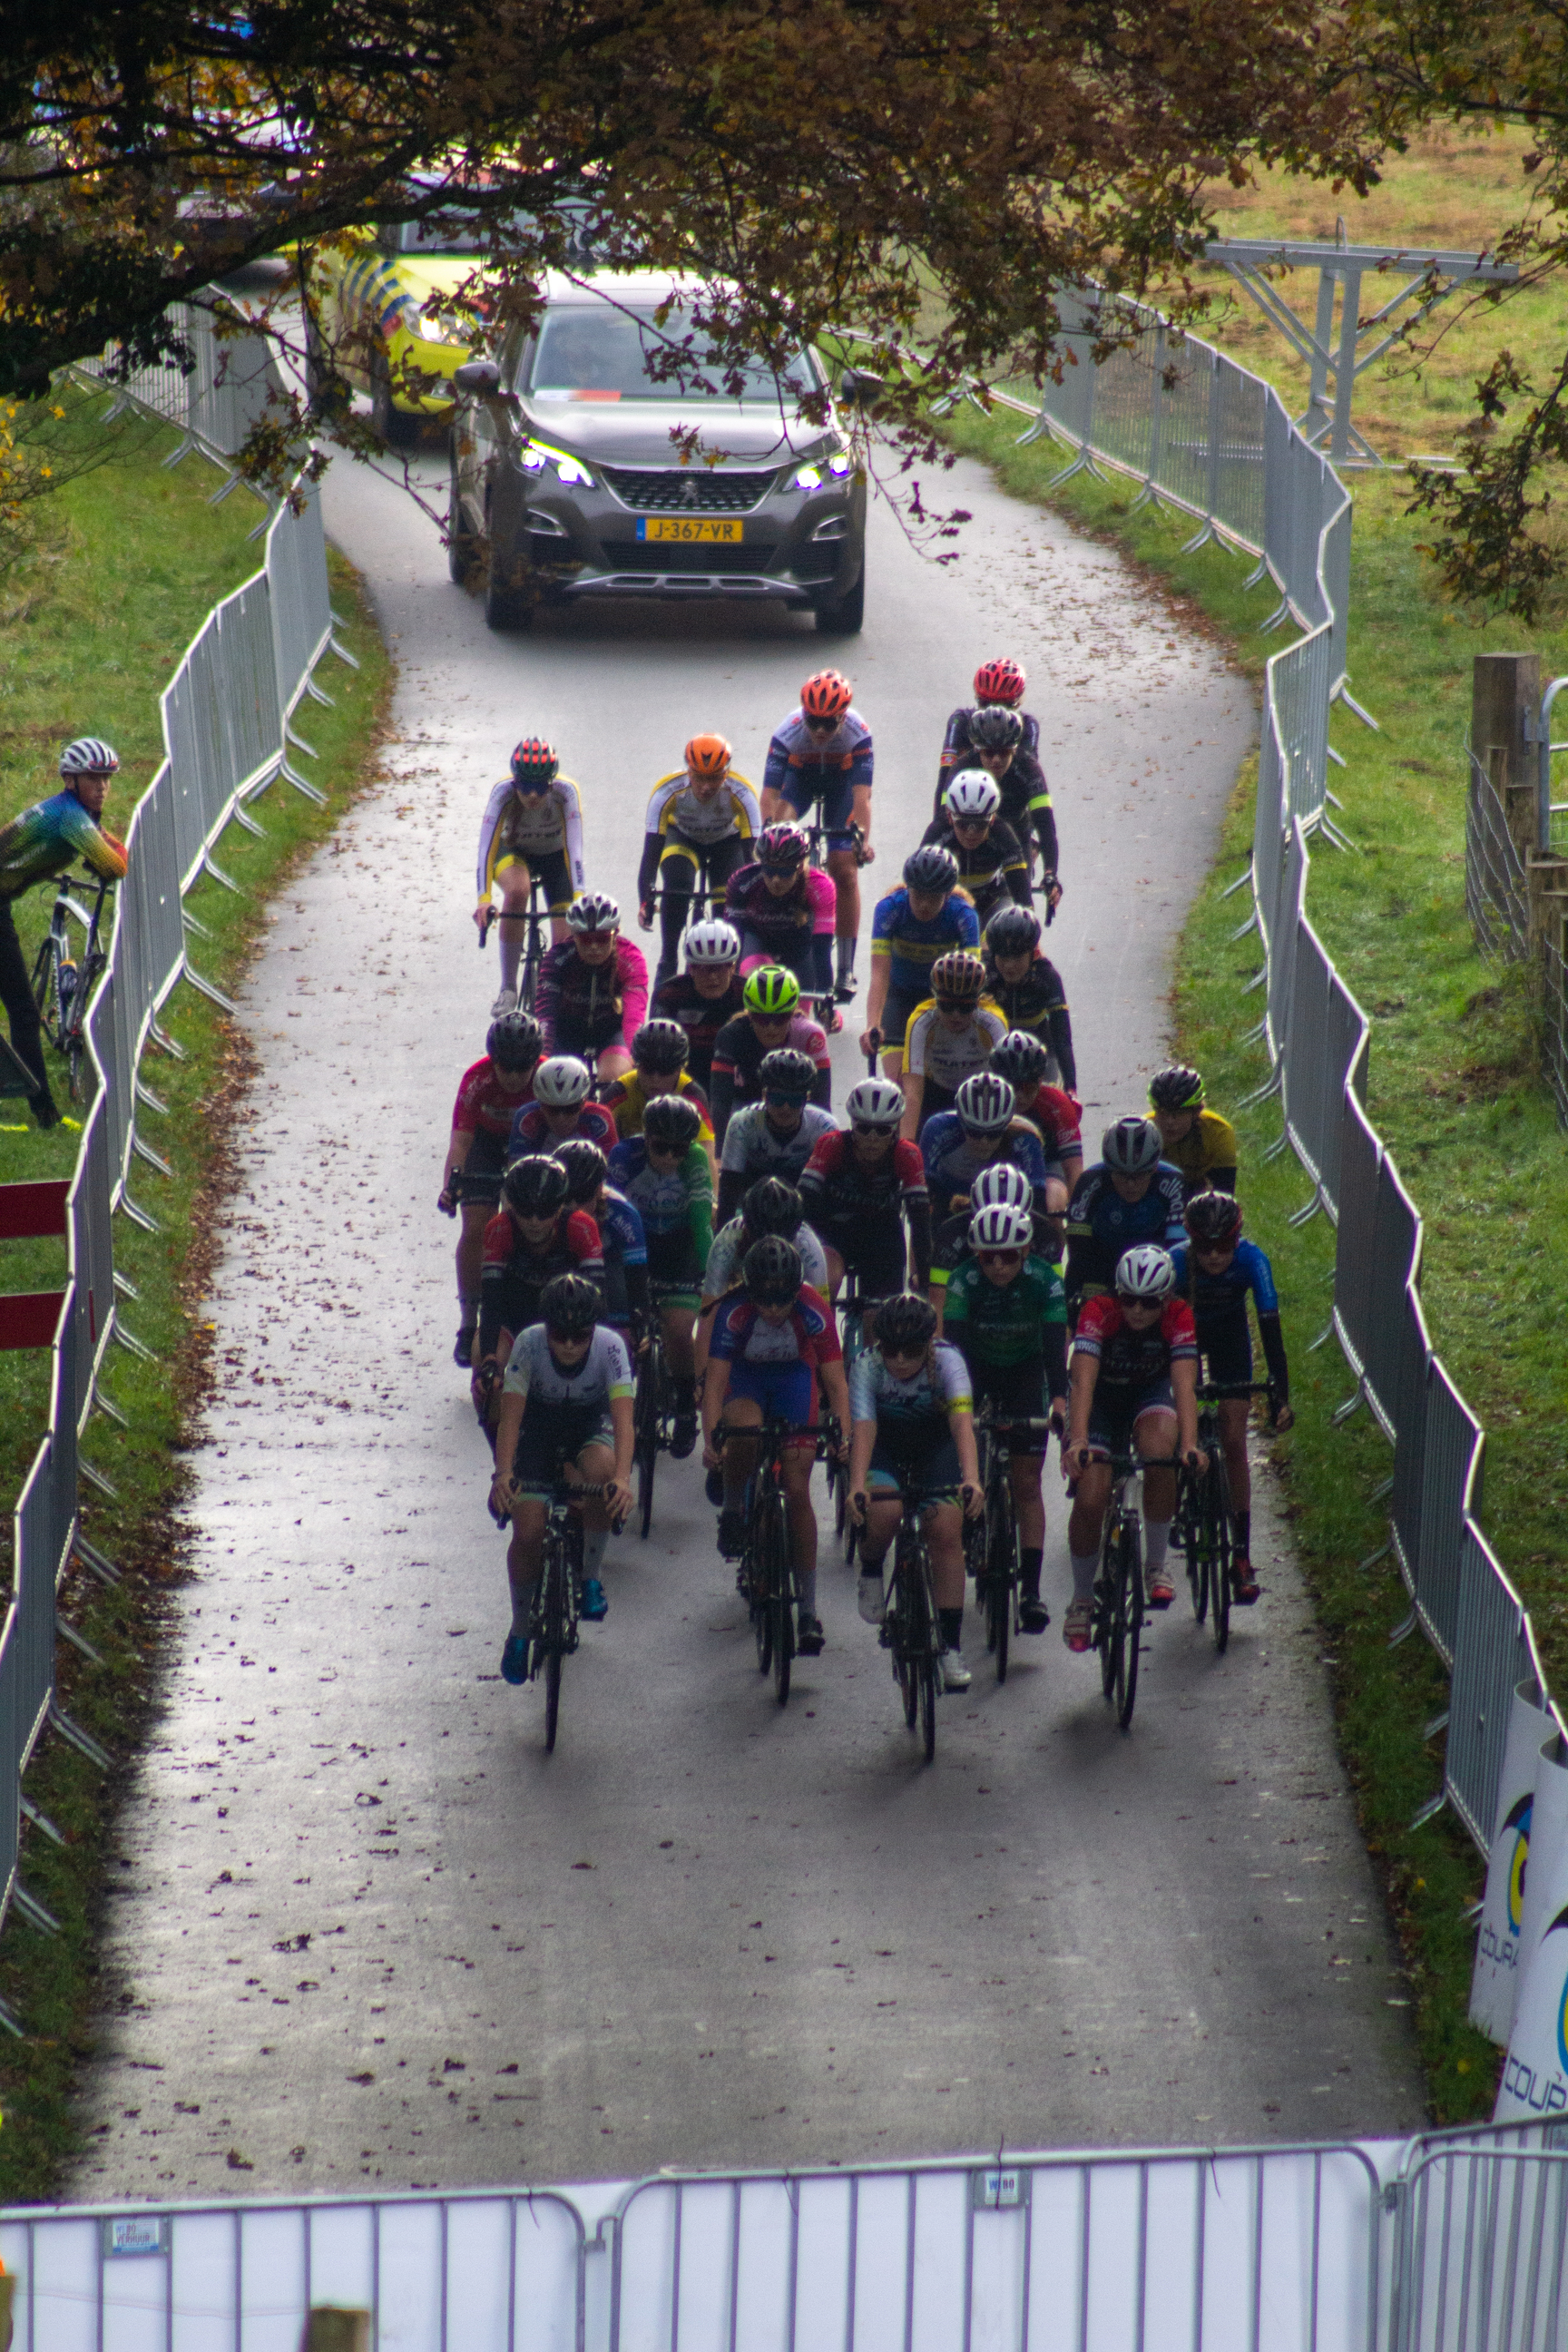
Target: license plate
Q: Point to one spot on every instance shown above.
(679, 527)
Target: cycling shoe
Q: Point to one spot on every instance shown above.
(809, 1636)
(595, 1603)
(514, 1659)
(683, 1437)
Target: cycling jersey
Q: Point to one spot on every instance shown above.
(990, 869)
(911, 1406)
(953, 1160)
(1008, 1324)
(1025, 798)
(950, 1244)
(676, 1205)
(944, 1057)
(1134, 1360)
(804, 768)
(1218, 1301)
(529, 1134)
(862, 1210)
(1101, 1224)
(701, 1017)
(1038, 1004)
(1207, 1155)
(957, 752)
(1057, 1118)
(738, 1055)
(626, 1101)
(531, 825)
(776, 1364)
(625, 1247)
(730, 1247)
(583, 1007)
(532, 1370)
(44, 839)
(511, 1276)
(783, 928)
(753, 1146)
(912, 946)
(675, 812)
(483, 1106)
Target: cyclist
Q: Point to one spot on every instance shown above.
(926, 916)
(1005, 1311)
(561, 1109)
(980, 1130)
(34, 847)
(706, 995)
(659, 1052)
(490, 1093)
(621, 1234)
(532, 825)
(1133, 1389)
(1215, 1270)
(991, 865)
(914, 1425)
(1131, 1194)
(772, 1137)
(666, 1174)
(1024, 982)
(1000, 681)
(1196, 1140)
(1000, 1185)
(865, 1191)
(997, 747)
(699, 821)
(948, 1039)
(565, 1415)
(773, 1018)
(774, 1339)
(1055, 1116)
(782, 906)
(823, 753)
(771, 1206)
(593, 987)
(536, 1235)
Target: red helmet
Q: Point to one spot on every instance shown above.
(1000, 681)
(707, 755)
(826, 696)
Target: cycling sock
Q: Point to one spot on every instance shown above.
(1241, 1523)
(1157, 1536)
(468, 1307)
(844, 951)
(952, 1624)
(1029, 1558)
(1085, 1569)
(806, 1585)
(594, 1542)
(513, 935)
(522, 1599)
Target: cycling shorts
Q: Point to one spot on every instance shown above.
(929, 1466)
(553, 1435)
(1116, 1413)
(589, 1039)
(836, 802)
(482, 1170)
(935, 1098)
(551, 866)
(799, 956)
(673, 1270)
(785, 1393)
(872, 1248)
(719, 859)
(1226, 1346)
(1014, 1392)
(895, 1017)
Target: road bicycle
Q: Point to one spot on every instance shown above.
(553, 1629)
(852, 1311)
(990, 1542)
(536, 943)
(705, 898)
(911, 1626)
(63, 982)
(767, 1558)
(1202, 1523)
(1119, 1599)
(653, 1407)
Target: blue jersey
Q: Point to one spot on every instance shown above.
(819, 760)
(912, 947)
(953, 1160)
(1218, 1297)
(1101, 1224)
(621, 1227)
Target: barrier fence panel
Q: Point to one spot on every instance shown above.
(1496, 894)
(1481, 2248)
(1493, 1650)
(1396, 1271)
(1360, 1157)
(1450, 1449)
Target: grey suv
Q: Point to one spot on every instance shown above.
(573, 461)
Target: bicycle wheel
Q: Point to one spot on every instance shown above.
(783, 1607)
(1189, 1515)
(528, 978)
(929, 1652)
(1131, 1585)
(45, 987)
(1218, 1550)
(1110, 1630)
(553, 1632)
(647, 1415)
(764, 1551)
(906, 1633)
(1002, 1579)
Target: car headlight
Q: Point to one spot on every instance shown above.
(807, 477)
(834, 465)
(537, 454)
(840, 464)
(433, 330)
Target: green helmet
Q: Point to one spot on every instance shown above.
(772, 989)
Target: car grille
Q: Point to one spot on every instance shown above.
(637, 555)
(687, 489)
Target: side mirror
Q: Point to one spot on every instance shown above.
(858, 388)
(477, 380)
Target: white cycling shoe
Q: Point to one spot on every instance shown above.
(955, 1675)
(506, 1001)
(868, 1594)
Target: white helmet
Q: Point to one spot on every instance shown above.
(563, 1082)
(89, 755)
(1145, 1272)
(595, 910)
(984, 1104)
(712, 942)
(1001, 1228)
(875, 1102)
(1132, 1147)
(1002, 1185)
(974, 793)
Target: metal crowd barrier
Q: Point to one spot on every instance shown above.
(233, 380)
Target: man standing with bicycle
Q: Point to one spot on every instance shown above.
(34, 847)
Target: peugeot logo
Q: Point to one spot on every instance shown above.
(689, 494)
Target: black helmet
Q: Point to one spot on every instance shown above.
(994, 728)
(662, 1046)
(931, 868)
(569, 1305)
(905, 1322)
(1212, 1217)
(770, 1271)
(1177, 1088)
(585, 1165)
(786, 1070)
(672, 1120)
(534, 763)
(772, 1206)
(515, 1042)
(534, 1187)
(1020, 1058)
(1013, 930)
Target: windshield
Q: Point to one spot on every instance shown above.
(448, 232)
(598, 354)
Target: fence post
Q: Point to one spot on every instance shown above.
(1505, 695)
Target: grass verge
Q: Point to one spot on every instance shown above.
(157, 529)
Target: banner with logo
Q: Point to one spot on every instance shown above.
(1535, 2074)
(1494, 1988)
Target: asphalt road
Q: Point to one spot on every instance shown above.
(361, 1927)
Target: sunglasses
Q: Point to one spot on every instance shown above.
(1214, 1249)
(955, 1004)
(772, 1020)
(902, 1355)
(777, 1101)
(1000, 1257)
(821, 726)
(872, 1126)
(970, 823)
(664, 1150)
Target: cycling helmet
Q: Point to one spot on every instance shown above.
(984, 1104)
(772, 1271)
(1212, 1217)
(594, 911)
(563, 1082)
(1145, 1272)
(772, 1206)
(783, 846)
(826, 696)
(569, 1305)
(994, 728)
(585, 1165)
(1001, 1227)
(514, 1042)
(89, 755)
(972, 793)
(787, 1071)
(1132, 1147)
(672, 1120)
(876, 1103)
(770, 990)
(535, 765)
(712, 942)
(1020, 1058)
(1177, 1088)
(1002, 1185)
(958, 978)
(535, 1187)
(904, 1322)
(1013, 930)
(932, 869)
(1000, 681)
(661, 1046)
(707, 755)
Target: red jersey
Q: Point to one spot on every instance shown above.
(1130, 1359)
(483, 1106)
(1059, 1118)
(576, 1239)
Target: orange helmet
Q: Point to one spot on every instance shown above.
(707, 755)
(826, 696)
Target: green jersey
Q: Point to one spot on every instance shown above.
(993, 1325)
